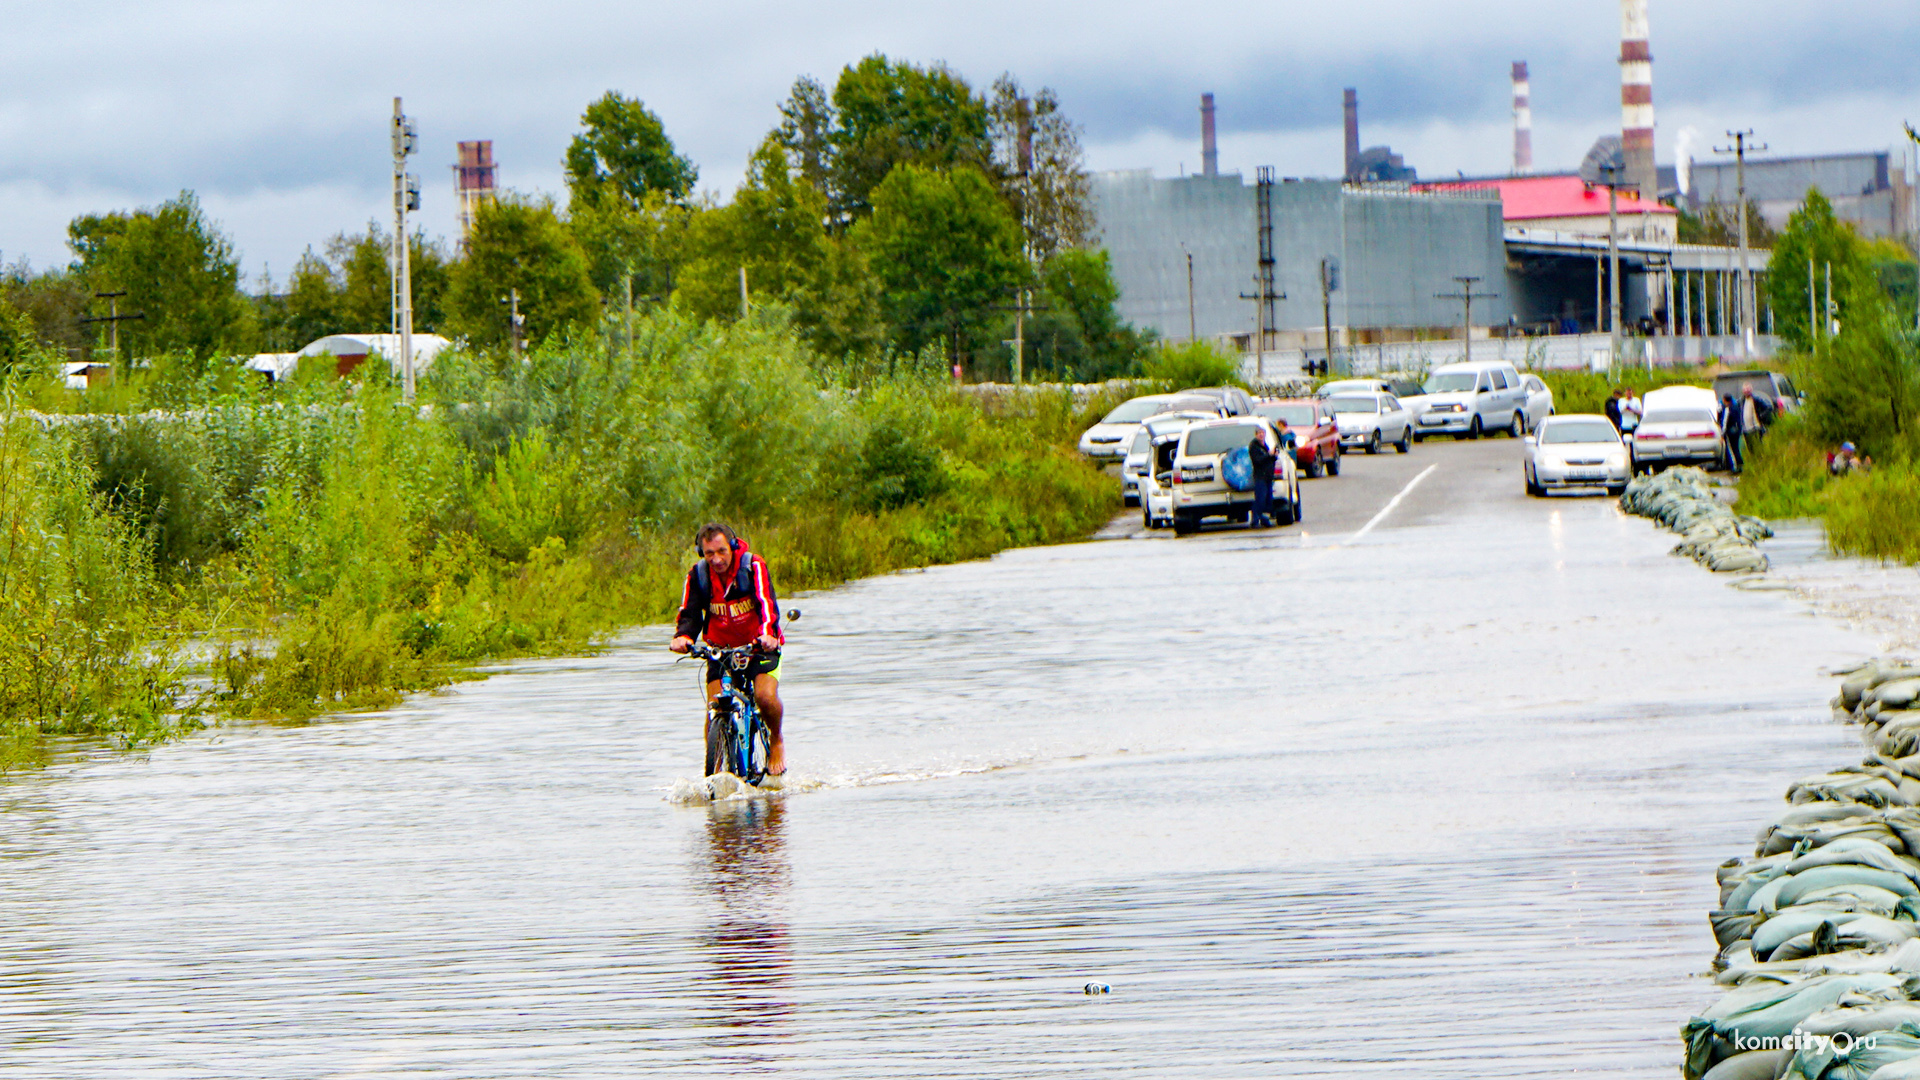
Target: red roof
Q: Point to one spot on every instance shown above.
(1524, 198)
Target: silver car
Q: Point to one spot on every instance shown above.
(1577, 450)
(1368, 420)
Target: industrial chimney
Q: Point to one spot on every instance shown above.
(1352, 103)
(474, 183)
(1522, 120)
(1209, 149)
(1636, 99)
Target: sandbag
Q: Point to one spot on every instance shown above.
(1791, 923)
(1730, 926)
(1858, 1020)
(1751, 1065)
(1854, 897)
(1712, 534)
(1896, 695)
(1859, 851)
(1761, 1011)
(1794, 886)
(1845, 1058)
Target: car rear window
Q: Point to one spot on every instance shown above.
(1140, 441)
(1218, 440)
(1294, 415)
(1354, 404)
(1579, 431)
(1678, 416)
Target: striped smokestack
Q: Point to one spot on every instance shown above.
(1522, 120)
(1636, 98)
(1209, 149)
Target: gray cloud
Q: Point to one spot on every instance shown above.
(275, 112)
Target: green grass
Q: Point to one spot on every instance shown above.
(532, 507)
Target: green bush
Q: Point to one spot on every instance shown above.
(1196, 363)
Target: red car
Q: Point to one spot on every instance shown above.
(1316, 439)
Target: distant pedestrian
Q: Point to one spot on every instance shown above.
(1613, 410)
(1756, 413)
(1731, 426)
(1847, 460)
(1630, 411)
(1262, 455)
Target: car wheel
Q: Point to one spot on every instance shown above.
(1405, 445)
(1616, 490)
(1315, 469)
(1283, 512)
(1299, 515)
(1473, 427)
(1533, 489)
(1517, 429)
(1130, 500)
(1183, 524)
(1333, 464)
(1146, 519)
(1373, 442)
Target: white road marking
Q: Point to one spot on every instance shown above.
(1391, 503)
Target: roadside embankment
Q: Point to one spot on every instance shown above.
(1711, 534)
(1819, 931)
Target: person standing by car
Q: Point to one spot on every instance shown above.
(1613, 410)
(1730, 431)
(1631, 410)
(1262, 457)
(1755, 414)
(728, 597)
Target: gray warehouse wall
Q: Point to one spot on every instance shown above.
(1396, 250)
(1149, 226)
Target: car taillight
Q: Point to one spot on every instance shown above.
(1176, 478)
(1708, 434)
(1644, 435)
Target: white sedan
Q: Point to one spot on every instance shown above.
(1366, 421)
(1578, 450)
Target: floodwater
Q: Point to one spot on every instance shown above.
(1441, 799)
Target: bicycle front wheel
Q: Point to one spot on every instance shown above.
(719, 742)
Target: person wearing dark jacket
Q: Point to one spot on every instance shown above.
(728, 598)
(1263, 458)
(1613, 410)
(1731, 428)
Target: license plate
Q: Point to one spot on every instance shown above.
(1677, 451)
(1585, 474)
(1433, 419)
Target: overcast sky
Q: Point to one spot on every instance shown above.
(276, 113)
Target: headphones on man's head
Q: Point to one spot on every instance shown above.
(733, 541)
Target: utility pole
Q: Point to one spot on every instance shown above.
(627, 280)
(113, 319)
(1746, 305)
(1611, 170)
(515, 321)
(1814, 330)
(1828, 328)
(1329, 281)
(406, 196)
(1914, 212)
(1466, 296)
(743, 292)
(1192, 334)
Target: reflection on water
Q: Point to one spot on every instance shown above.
(747, 946)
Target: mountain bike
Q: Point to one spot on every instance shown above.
(737, 738)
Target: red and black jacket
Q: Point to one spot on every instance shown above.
(740, 610)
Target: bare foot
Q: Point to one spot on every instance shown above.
(777, 758)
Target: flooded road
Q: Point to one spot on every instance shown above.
(1443, 799)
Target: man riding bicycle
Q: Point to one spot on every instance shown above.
(729, 598)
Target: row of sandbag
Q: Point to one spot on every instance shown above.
(1711, 534)
(1819, 932)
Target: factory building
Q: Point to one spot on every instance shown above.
(1389, 255)
(1871, 189)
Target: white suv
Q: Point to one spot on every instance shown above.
(1200, 474)
(1471, 399)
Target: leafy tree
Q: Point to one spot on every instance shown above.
(1193, 363)
(1075, 334)
(882, 114)
(945, 249)
(646, 241)
(20, 349)
(520, 244)
(623, 154)
(1813, 234)
(1037, 152)
(55, 300)
(1717, 224)
(176, 268)
(349, 290)
(775, 229)
(1893, 266)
